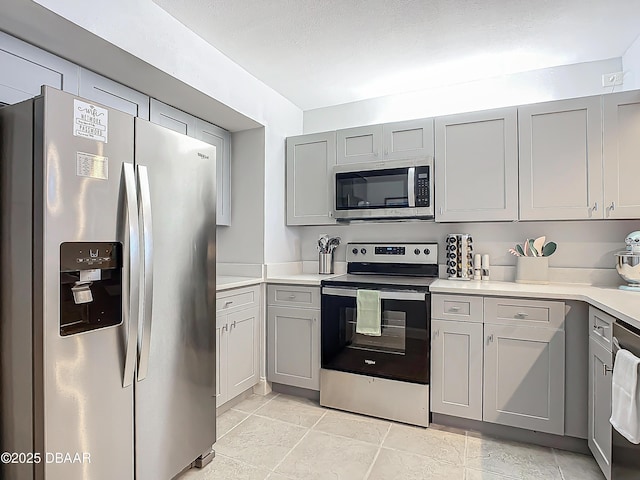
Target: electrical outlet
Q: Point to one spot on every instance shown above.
(612, 79)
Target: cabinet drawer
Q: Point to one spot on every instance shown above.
(237, 299)
(601, 327)
(290, 295)
(512, 311)
(456, 307)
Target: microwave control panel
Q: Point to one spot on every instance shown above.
(422, 187)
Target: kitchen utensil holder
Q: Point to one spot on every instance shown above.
(532, 270)
(325, 263)
(459, 252)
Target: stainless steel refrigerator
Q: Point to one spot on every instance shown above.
(107, 330)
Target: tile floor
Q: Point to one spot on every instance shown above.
(279, 437)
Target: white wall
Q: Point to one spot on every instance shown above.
(581, 244)
(243, 240)
(568, 81)
(631, 65)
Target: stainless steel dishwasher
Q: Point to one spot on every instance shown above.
(625, 456)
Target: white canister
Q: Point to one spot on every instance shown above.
(485, 266)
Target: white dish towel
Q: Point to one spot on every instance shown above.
(625, 397)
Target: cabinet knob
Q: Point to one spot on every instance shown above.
(315, 319)
(490, 338)
(606, 369)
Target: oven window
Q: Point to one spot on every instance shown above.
(372, 189)
(401, 352)
(393, 333)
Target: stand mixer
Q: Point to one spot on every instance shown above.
(628, 262)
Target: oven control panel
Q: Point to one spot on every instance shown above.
(392, 252)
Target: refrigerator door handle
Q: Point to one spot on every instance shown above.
(132, 302)
(147, 276)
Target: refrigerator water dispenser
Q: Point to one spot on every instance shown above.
(90, 286)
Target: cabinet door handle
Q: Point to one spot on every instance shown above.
(291, 297)
(436, 333)
(606, 369)
(315, 319)
(522, 315)
(454, 309)
(228, 303)
(490, 338)
(224, 329)
(598, 327)
(595, 207)
(233, 324)
(612, 206)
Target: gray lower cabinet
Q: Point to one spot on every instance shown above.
(25, 68)
(524, 377)
(237, 342)
(293, 342)
(499, 360)
(456, 368)
(621, 144)
(560, 148)
(182, 122)
(600, 379)
(113, 94)
(310, 160)
(476, 166)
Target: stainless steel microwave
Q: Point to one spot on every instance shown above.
(384, 190)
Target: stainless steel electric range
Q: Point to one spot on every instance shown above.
(386, 375)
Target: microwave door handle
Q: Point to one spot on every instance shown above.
(411, 186)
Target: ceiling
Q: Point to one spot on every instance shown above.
(319, 53)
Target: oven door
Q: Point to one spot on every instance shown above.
(400, 353)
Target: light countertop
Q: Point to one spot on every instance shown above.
(300, 278)
(226, 282)
(621, 304)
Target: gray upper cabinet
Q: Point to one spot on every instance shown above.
(207, 132)
(621, 137)
(113, 94)
(25, 68)
(172, 118)
(359, 144)
(310, 159)
(476, 166)
(409, 139)
(561, 160)
(182, 122)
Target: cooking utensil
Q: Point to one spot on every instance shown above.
(549, 248)
(532, 248)
(514, 252)
(538, 243)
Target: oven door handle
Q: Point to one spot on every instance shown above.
(384, 295)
